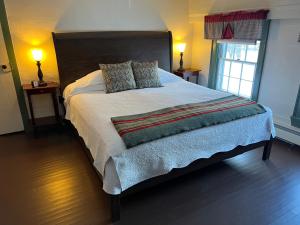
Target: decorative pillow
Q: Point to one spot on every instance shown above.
(118, 77)
(92, 78)
(146, 74)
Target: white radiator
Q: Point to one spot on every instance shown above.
(287, 132)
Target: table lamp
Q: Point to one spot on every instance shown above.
(181, 48)
(37, 55)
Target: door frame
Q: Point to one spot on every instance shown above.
(13, 64)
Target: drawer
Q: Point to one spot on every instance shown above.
(41, 91)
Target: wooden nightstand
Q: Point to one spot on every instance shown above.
(51, 88)
(187, 73)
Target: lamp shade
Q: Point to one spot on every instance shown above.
(181, 47)
(37, 54)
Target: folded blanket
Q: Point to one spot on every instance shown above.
(141, 128)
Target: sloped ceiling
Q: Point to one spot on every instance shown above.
(279, 8)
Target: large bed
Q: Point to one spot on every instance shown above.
(125, 170)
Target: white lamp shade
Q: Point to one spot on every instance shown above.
(37, 54)
(181, 47)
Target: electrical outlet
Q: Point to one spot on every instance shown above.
(5, 68)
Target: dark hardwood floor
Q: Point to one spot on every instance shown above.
(49, 180)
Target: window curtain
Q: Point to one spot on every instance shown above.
(240, 25)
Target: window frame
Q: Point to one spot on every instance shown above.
(222, 59)
(214, 62)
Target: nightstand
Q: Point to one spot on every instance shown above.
(51, 89)
(187, 73)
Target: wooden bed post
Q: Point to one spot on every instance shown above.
(267, 149)
(115, 207)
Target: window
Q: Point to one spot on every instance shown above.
(236, 67)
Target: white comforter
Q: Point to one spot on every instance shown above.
(122, 168)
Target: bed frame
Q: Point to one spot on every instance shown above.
(81, 52)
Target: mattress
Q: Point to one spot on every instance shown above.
(121, 168)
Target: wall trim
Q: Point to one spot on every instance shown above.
(261, 60)
(287, 135)
(13, 64)
(295, 118)
(287, 129)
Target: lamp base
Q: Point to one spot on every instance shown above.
(181, 63)
(42, 84)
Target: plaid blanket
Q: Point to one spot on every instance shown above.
(141, 128)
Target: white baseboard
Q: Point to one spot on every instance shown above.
(286, 132)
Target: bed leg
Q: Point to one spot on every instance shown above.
(267, 149)
(115, 207)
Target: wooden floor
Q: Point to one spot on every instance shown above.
(49, 180)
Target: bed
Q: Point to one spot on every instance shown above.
(124, 171)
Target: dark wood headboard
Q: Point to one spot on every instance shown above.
(81, 52)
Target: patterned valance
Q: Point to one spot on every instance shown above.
(240, 25)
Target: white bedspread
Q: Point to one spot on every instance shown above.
(122, 168)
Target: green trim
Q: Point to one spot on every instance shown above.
(260, 60)
(13, 64)
(213, 68)
(295, 121)
(295, 118)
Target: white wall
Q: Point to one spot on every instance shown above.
(214, 6)
(281, 73)
(32, 21)
(279, 9)
(201, 52)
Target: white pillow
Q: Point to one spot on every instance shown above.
(89, 83)
(92, 78)
(167, 77)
